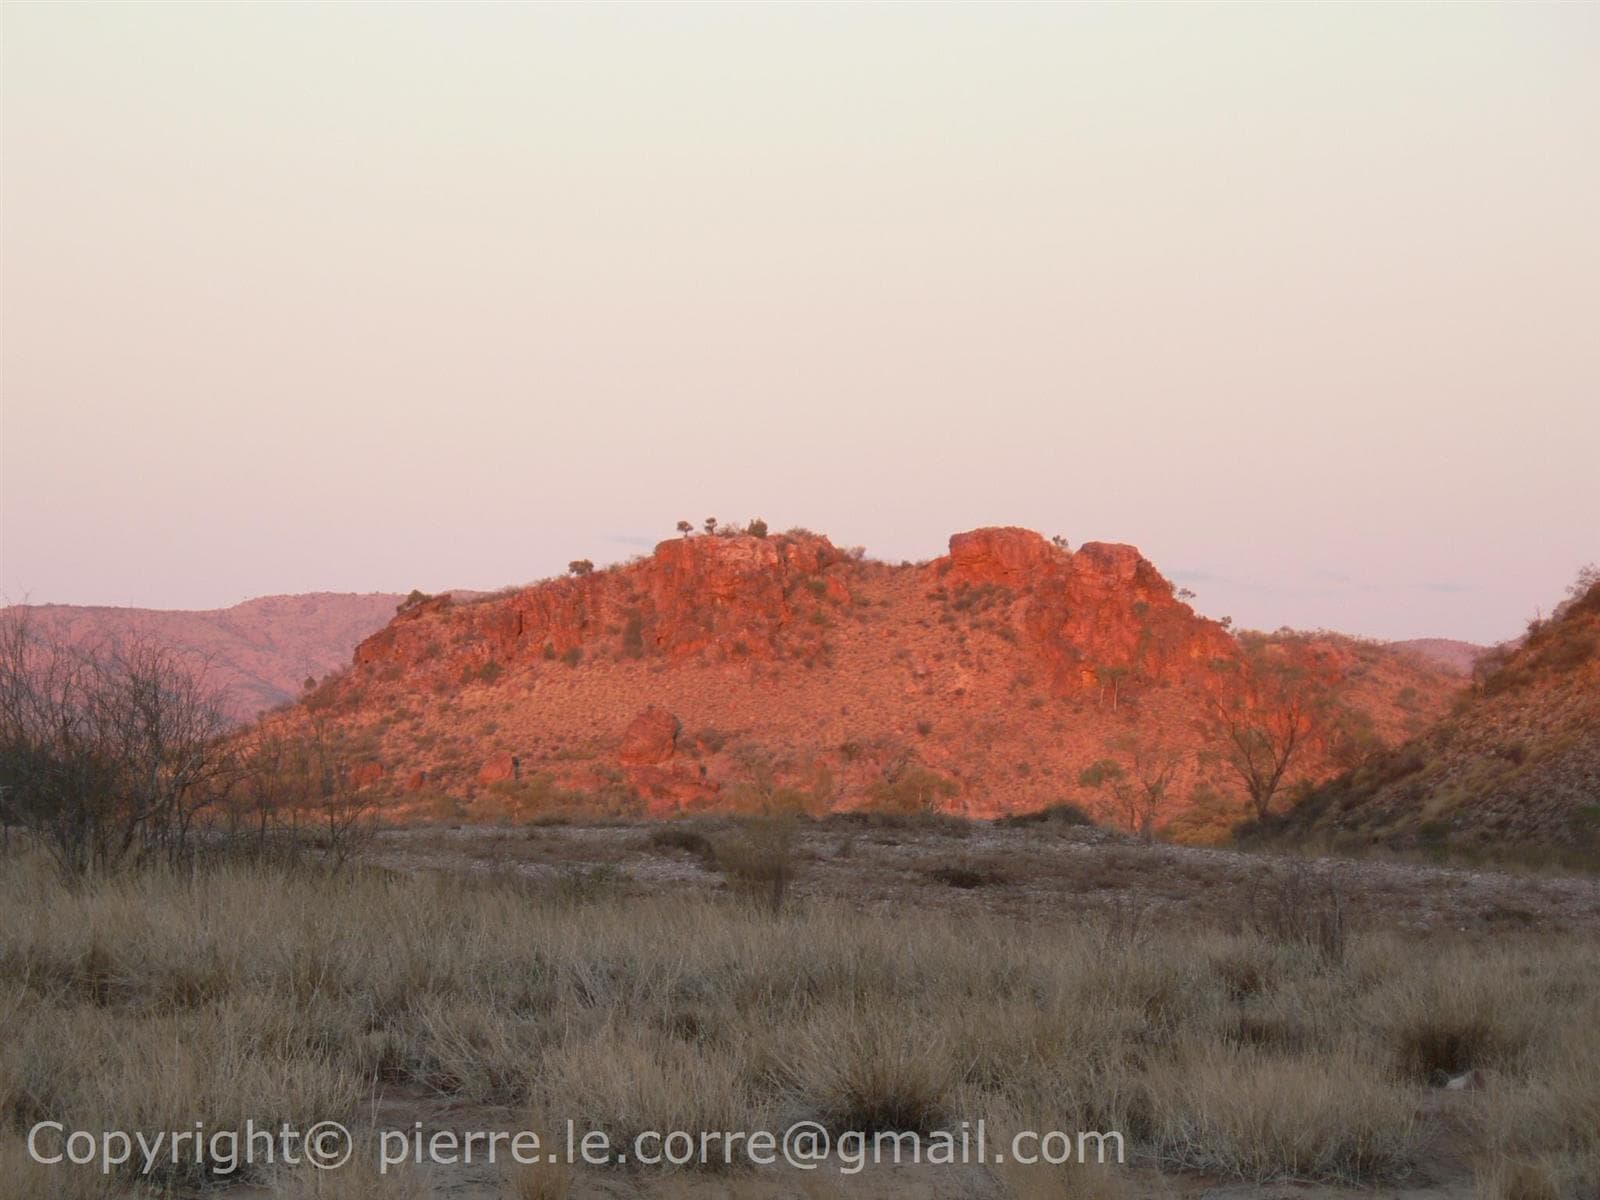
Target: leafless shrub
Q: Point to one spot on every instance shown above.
(759, 856)
(296, 793)
(1293, 906)
(106, 751)
(1139, 795)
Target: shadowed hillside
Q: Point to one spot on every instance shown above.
(1518, 762)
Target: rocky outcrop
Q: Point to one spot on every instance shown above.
(733, 597)
(982, 682)
(498, 768)
(666, 790)
(1093, 617)
(650, 738)
(1004, 555)
(734, 592)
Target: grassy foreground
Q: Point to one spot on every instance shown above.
(149, 1000)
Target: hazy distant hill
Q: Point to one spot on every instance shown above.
(260, 652)
(1457, 656)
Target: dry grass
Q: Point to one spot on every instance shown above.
(152, 1001)
(21, 1177)
(1538, 1124)
(1478, 1009)
(539, 1181)
(875, 1070)
(360, 1179)
(1263, 1115)
(758, 856)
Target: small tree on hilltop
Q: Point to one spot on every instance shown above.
(711, 525)
(580, 566)
(757, 528)
(685, 528)
(1587, 580)
(1588, 576)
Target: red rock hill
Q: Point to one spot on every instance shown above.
(722, 670)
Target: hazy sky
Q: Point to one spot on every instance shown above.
(1304, 302)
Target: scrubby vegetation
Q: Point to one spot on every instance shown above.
(152, 999)
(1064, 813)
(1510, 775)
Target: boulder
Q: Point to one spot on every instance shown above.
(672, 789)
(1005, 555)
(651, 737)
(501, 766)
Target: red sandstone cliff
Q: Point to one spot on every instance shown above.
(984, 681)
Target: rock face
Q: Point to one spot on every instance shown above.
(736, 670)
(500, 767)
(730, 597)
(1007, 556)
(672, 789)
(1092, 616)
(651, 738)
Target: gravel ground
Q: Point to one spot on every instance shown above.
(1030, 871)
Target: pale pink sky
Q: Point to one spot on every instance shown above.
(1303, 301)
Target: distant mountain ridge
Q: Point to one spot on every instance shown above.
(258, 653)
